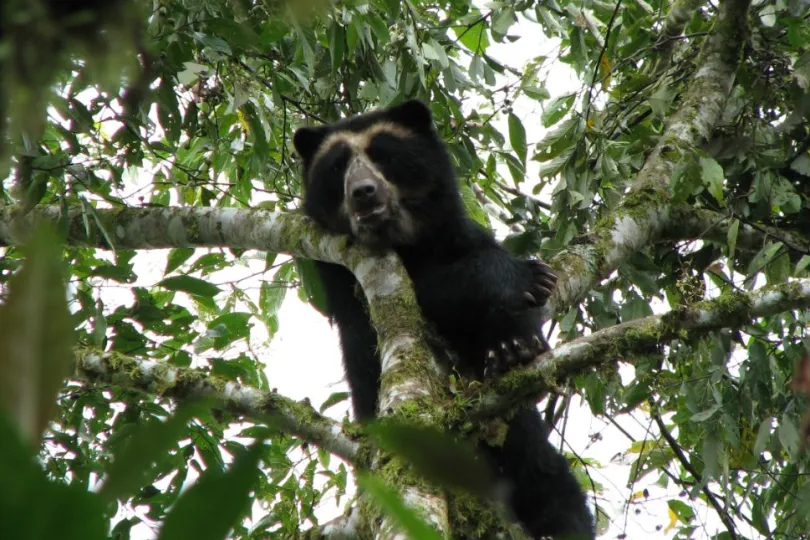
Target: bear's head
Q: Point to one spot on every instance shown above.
(383, 177)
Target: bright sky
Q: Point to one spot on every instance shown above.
(303, 358)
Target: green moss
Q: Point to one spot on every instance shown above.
(493, 431)
(638, 338)
(638, 202)
(396, 472)
(733, 308)
(471, 519)
(191, 378)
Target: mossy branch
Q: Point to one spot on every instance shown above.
(409, 377)
(635, 338)
(293, 417)
(645, 212)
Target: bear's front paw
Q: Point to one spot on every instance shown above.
(514, 352)
(543, 281)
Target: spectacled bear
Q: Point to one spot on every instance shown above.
(385, 178)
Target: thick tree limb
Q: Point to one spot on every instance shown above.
(637, 337)
(295, 418)
(409, 372)
(645, 212)
(384, 280)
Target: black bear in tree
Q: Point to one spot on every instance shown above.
(385, 179)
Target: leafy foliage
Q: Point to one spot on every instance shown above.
(205, 118)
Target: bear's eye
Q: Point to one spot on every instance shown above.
(384, 148)
(337, 161)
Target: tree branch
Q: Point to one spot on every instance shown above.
(410, 375)
(382, 277)
(645, 212)
(295, 418)
(636, 338)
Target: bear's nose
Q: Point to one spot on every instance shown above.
(363, 190)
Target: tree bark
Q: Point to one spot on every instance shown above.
(637, 337)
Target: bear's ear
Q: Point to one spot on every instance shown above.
(412, 114)
(307, 140)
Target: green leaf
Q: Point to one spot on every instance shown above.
(176, 258)
(516, 168)
(333, 399)
(434, 51)
(271, 297)
(711, 451)
(213, 42)
(802, 162)
(763, 258)
(555, 110)
(803, 263)
(438, 456)
(538, 93)
(502, 20)
(713, 178)
(311, 284)
(788, 435)
(379, 28)
(133, 457)
(472, 205)
(517, 137)
(702, 416)
(759, 516)
(684, 512)
(88, 209)
(257, 133)
(763, 436)
(36, 337)
(34, 507)
(237, 35)
(209, 509)
(190, 285)
(392, 504)
(733, 231)
(474, 36)
(337, 45)
(229, 327)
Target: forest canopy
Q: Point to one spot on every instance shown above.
(655, 153)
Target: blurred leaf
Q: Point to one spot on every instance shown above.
(35, 507)
(311, 284)
(713, 178)
(190, 285)
(36, 338)
(438, 456)
(134, 456)
(210, 508)
(392, 504)
(333, 399)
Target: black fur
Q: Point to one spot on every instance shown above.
(402, 194)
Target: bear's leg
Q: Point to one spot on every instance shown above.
(544, 494)
(358, 339)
